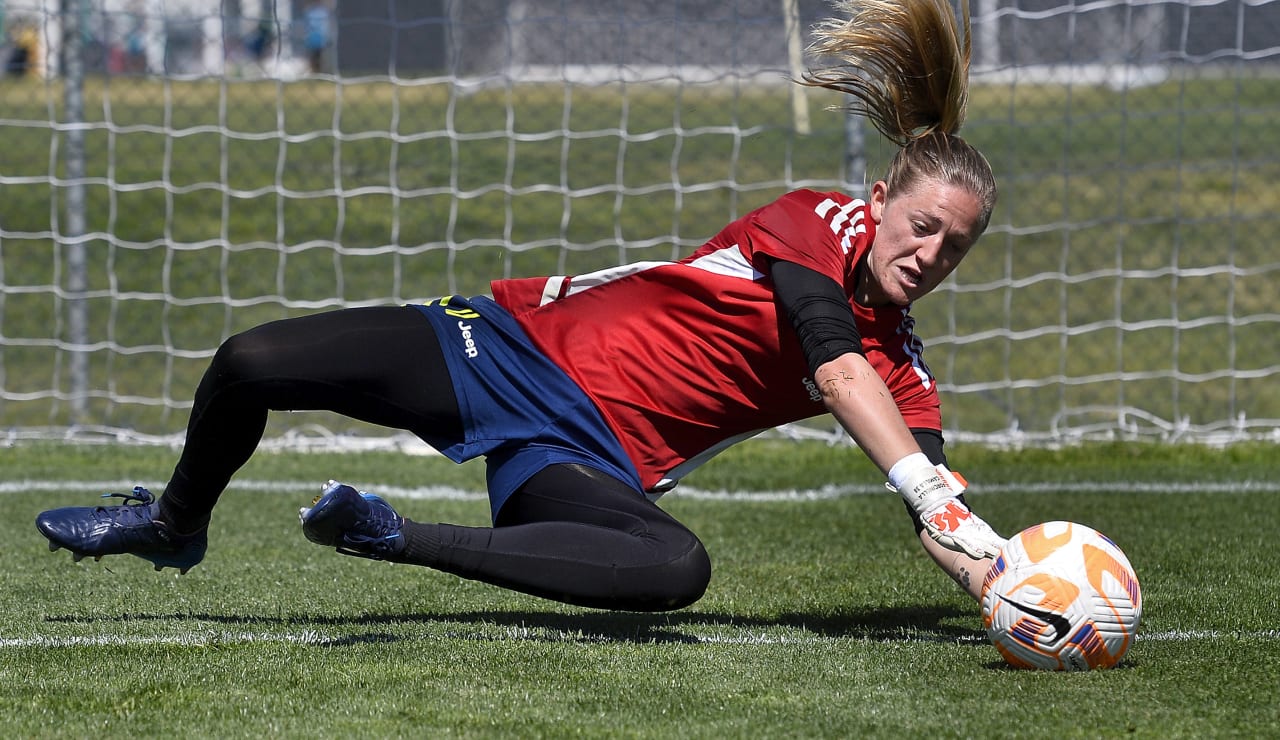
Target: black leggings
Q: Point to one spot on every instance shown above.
(570, 533)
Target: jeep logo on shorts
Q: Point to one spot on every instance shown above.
(468, 342)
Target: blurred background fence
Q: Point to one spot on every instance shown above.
(174, 171)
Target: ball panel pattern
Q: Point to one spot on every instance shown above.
(1061, 596)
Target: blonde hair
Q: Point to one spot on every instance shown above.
(905, 63)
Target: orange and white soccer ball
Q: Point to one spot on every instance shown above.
(1061, 597)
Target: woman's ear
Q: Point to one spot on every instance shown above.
(879, 195)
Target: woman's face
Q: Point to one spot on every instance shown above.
(921, 236)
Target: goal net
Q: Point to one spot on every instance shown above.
(176, 171)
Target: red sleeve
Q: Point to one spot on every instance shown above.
(897, 354)
(518, 295)
(808, 228)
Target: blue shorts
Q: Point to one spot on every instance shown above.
(518, 408)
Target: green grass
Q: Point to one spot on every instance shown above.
(823, 618)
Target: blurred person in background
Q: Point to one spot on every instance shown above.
(315, 23)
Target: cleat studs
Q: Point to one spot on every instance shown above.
(159, 567)
(183, 571)
(97, 558)
(54, 547)
(77, 557)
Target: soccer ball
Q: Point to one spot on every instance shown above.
(1061, 597)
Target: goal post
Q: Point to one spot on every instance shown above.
(178, 171)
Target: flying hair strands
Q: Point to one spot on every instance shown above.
(905, 63)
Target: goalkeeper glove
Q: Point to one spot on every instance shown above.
(932, 492)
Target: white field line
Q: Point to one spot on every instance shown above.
(206, 638)
(437, 493)
(188, 639)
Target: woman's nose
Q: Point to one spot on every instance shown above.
(928, 253)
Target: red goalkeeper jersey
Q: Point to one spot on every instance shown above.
(684, 358)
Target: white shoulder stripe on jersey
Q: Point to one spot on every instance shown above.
(840, 218)
(551, 290)
(840, 221)
(728, 262)
(846, 241)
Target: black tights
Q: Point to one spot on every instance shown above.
(570, 533)
(576, 535)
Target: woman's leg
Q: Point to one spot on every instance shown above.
(381, 365)
(576, 535)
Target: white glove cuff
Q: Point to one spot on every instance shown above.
(924, 487)
(908, 465)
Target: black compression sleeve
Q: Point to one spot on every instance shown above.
(930, 441)
(819, 311)
(576, 535)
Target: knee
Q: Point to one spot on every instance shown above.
(692, 576)
(242, 357)
(682, 579)
(239, 367)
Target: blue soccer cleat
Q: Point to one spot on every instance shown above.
(356, 523)
(127, 529)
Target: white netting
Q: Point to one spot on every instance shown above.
(174, 172)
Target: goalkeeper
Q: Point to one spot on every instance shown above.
(591, 395)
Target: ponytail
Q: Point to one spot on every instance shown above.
(905, 64)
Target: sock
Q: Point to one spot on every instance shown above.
(180, 518)
(421, 544)
(179, 512)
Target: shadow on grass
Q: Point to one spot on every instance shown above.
(885, 624)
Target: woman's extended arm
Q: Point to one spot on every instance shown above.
(857, 397)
